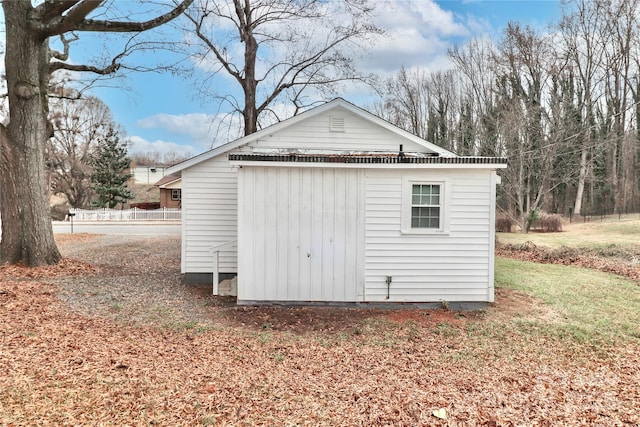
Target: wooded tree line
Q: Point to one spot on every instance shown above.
(563, 106)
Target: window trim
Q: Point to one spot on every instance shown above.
(179, 192)
(408, 181)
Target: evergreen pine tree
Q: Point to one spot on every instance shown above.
(110, 176)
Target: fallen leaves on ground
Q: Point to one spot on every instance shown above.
(529, 251)
(66, 267)
(62, 367)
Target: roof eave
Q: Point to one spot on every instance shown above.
(260, 163)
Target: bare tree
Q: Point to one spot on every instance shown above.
(424, 104)
(27, 235)
(277, 49)
(475, 63)
(79, 124)
(584, 50)
(407, 101)
(523, 60)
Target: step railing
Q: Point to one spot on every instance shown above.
(215, 250)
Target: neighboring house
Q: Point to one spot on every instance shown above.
(147, 174)
(338, 205)
(170, 191)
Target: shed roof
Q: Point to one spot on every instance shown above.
(401, 159)
(366, 158)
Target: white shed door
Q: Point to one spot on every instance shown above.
(300, 234)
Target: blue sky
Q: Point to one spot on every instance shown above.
(163, 112)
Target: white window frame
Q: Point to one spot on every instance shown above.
(408, 182)
(179, 192)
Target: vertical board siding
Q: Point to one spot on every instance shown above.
(455, 266)
(209, 208)
(300, 238)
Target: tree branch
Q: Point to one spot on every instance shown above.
(63, 56)
(76, 20)
(110, 69)
(53, 8)
(223, 61)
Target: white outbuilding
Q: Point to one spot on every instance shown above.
(336, 205)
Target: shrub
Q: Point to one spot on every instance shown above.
(548, 223)
(504, 224)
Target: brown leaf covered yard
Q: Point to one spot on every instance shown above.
(111, 337)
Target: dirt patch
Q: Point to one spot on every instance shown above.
(512, 304)
(300, 319)
(433, 317)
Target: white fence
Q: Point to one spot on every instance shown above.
(135, 214)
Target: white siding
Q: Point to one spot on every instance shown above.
(456, 266)
(358, 134)
(147, 174)
(209, 209)
(301, 234)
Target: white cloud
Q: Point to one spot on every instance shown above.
(425, 15)
(195, 125)
(418, 34)
(204, 130)
(138, 144)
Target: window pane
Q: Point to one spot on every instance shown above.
(425, 194)
(425, 217)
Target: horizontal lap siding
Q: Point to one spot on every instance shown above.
(445, 267)
(359, 134)
(209, 205)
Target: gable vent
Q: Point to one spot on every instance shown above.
(336, 124)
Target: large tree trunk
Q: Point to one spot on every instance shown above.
(27, 235)
(250, 85)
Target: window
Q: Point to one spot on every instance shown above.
(176, 194)
(424, 205)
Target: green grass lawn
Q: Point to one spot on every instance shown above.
(591, 305)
